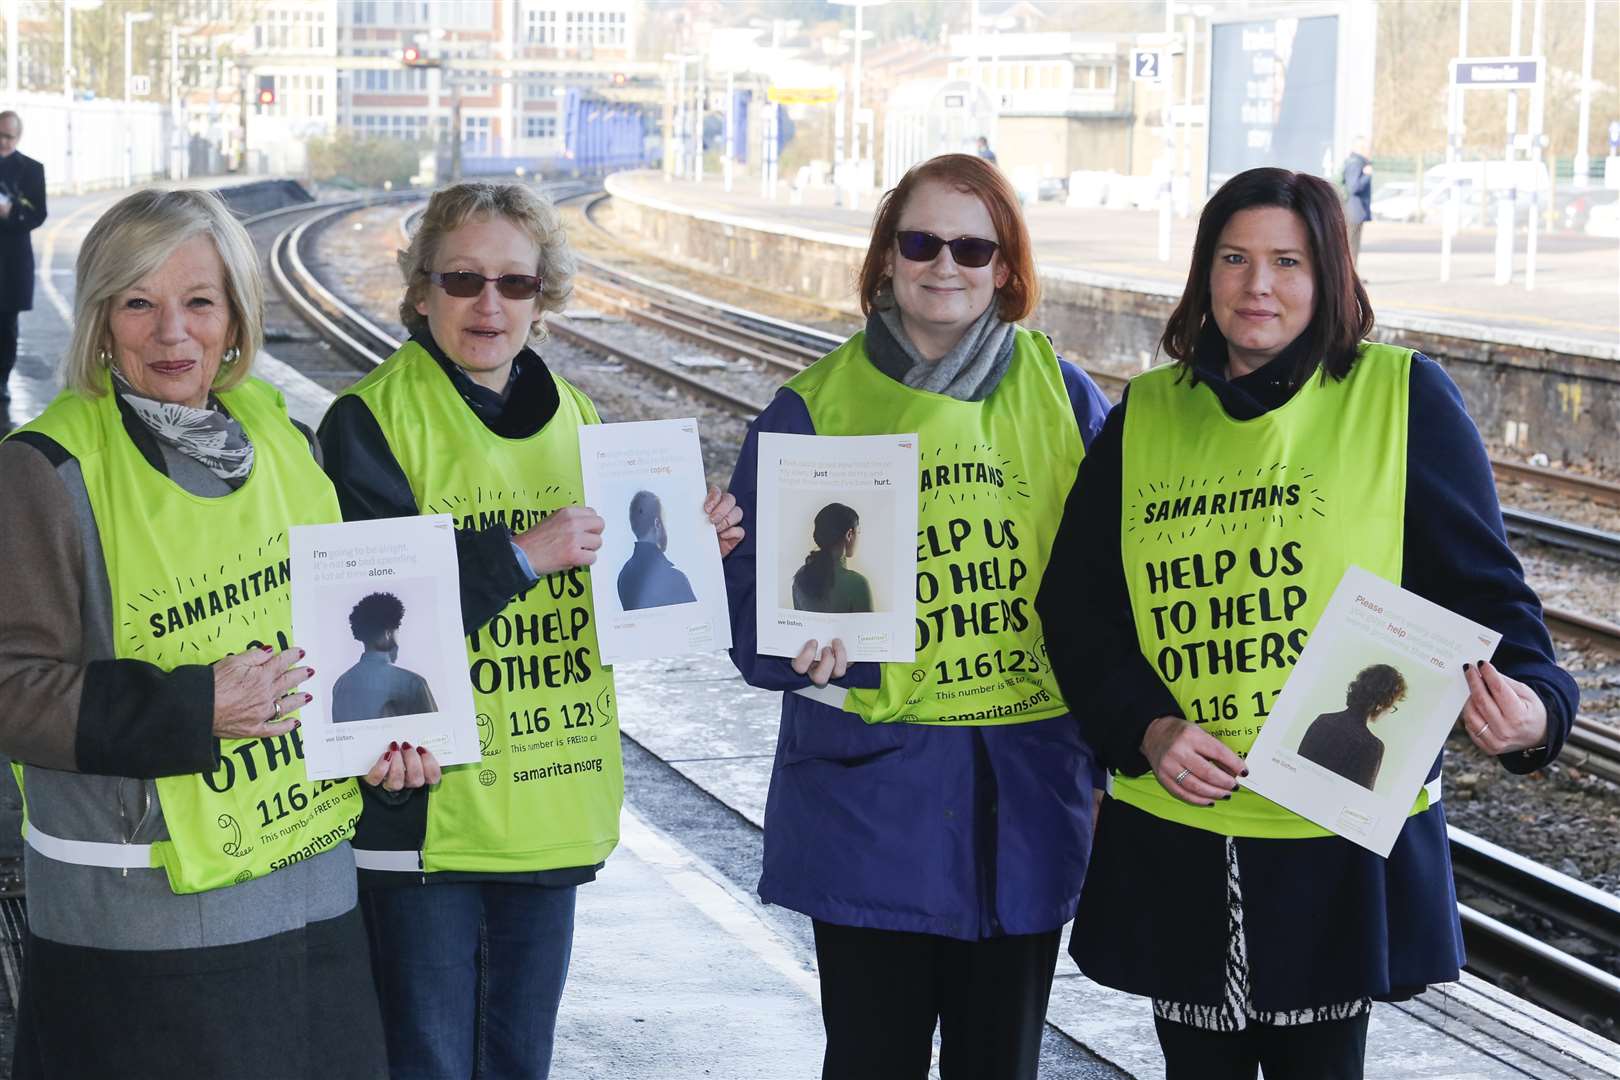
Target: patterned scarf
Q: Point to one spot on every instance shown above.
(208, 436)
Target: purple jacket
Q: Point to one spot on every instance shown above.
(970, 832)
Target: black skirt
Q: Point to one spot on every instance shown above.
(296, 1005)
(1325, 921)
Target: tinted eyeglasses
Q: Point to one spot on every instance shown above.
(465, 284)
(970, 251)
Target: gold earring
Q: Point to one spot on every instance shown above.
(231, 356)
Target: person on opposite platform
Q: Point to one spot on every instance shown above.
(934, 818)
(22, 210)
(468, 888)
(184, 873)
(1278, 450)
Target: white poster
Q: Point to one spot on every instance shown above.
(376, 605)
(657, 582)
(1365, 712)
(837, 544)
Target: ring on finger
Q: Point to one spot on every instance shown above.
(1483, 728)
(1182, 775)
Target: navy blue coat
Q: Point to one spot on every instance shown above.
(23, 180)
(969, 833)
(1326, 921)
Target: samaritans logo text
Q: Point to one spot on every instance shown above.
(189, 619)
(1229, 503)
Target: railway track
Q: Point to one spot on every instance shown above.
(1517, 959)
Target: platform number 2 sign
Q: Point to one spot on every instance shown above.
(1145, 65)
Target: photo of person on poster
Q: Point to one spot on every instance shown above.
(1343, 742)
(376, 686)
(825, 582)
(649, 579)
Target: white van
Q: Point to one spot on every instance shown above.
(1462, 181)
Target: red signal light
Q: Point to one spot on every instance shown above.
(411, 54)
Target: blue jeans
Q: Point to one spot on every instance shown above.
(469, 976)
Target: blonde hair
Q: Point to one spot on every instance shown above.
(133, 239)
(452, 207)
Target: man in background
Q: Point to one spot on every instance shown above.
(22, 209)
(984, 150)
(1357, 193)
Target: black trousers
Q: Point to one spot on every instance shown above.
(8, 346)
(1331, 1050)
(883, 990)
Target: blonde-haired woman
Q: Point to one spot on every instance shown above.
(184, 873)
(468, 888)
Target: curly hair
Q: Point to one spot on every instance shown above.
(452, 207)
(1375, 689)
(375, 613)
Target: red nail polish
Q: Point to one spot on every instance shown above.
(422, 750)
(388, 756)
(393, 746)
(404, 747)
(266, 648)
(308, 698)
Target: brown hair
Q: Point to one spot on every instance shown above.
(1343, 315)
(452, 207)
(973, 176)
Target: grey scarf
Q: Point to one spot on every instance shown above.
(969, 372)
(208, 436)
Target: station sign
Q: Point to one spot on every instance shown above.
(801, 95)
(1147, 65)
(1496, 72)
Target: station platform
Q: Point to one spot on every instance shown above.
(1575, 305)
(679, 971)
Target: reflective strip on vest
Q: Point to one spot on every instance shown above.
(993, 477)
(399, 861)
(88, 852)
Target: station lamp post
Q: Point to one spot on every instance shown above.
(860, 7)
(130, 19)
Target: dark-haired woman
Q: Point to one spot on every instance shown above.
(1342, 741)
(933, 818)
(1280, 449)
(824, 582)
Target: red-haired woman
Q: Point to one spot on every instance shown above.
(1217, 511)
(934, 818)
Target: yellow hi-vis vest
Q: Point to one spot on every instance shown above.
(548, 791)
(1234, 533)
(194, 579)
(993, 476)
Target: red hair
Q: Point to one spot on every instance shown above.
(973, 176)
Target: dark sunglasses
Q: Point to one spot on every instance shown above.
(465, 284)
(971, 251)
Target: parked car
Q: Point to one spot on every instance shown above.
(1395, 201)
(1603, 220)
(1579, 207)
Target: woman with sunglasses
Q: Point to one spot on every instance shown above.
(934, 818)
(468, 887)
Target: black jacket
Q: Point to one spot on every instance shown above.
(23, 180)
